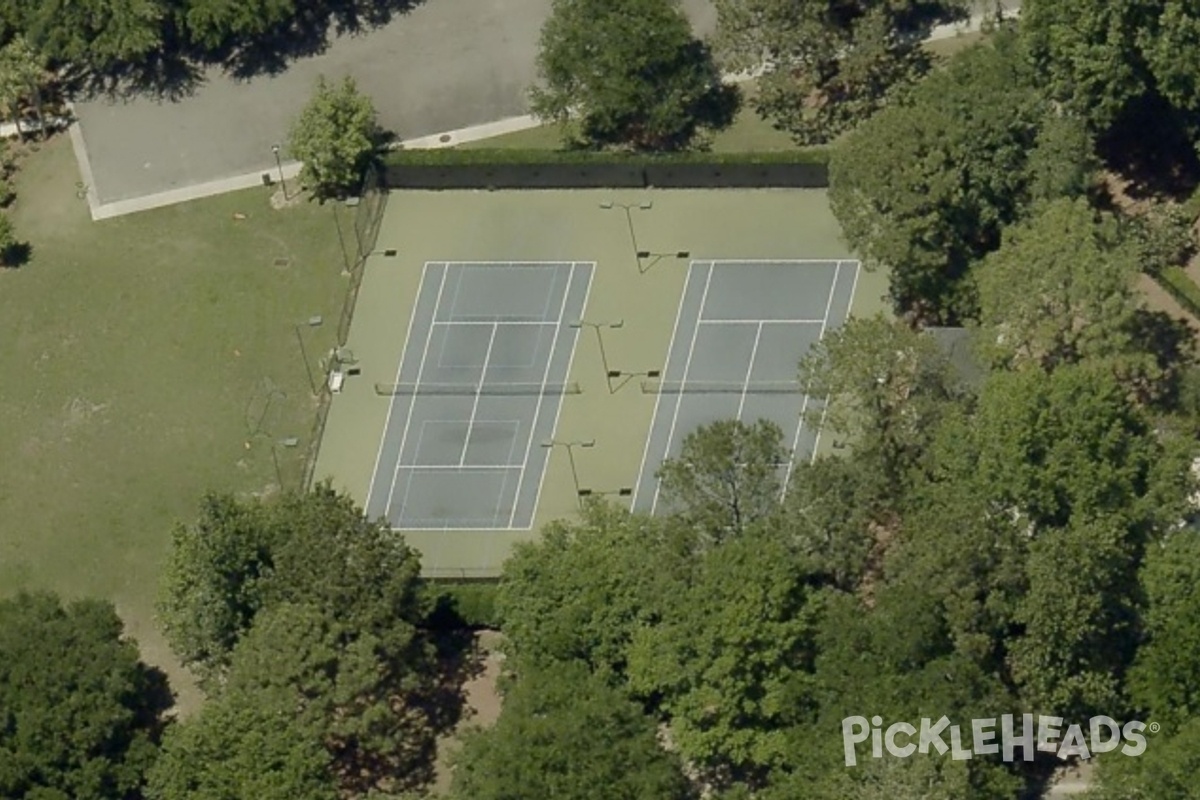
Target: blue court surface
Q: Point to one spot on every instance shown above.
(740, 333)
(480, 384)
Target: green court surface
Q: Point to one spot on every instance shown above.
(422, 349)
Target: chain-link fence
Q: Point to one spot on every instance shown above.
(369, 208)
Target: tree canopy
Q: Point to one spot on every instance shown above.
(628, 73)
(567, 734)
(927, 185)
(81, 713)
(238, 559)
(302, 604)
(727, 476)
(1102, 57)
(335, 137)
(827, 66)
(582, 589)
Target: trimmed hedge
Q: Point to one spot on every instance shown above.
(463, 604)
(1182, 288)
(445, 157)
(585, 169)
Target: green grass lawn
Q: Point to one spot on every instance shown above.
(133, 349)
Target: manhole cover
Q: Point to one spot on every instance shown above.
(445, 137)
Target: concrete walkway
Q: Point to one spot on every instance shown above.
(116, 186)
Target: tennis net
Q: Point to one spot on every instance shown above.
(472, 389)
(721, 387)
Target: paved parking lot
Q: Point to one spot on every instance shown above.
(447, 64)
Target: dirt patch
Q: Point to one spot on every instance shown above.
(1159, 299)
(1070, 780)
(482, 705)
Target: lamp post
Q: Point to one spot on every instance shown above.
(279, 165)
(313, 322)
(609, 373)
(628, 208)
(570, 447)
(639, 254)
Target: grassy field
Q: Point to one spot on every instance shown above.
(134, 349)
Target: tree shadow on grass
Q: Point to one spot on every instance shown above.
(1152, 147)
(16, 255)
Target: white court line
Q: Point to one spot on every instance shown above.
(513, 264)
(825, 408)
(412, 403)
(666, 371)
(487, 357)
(749, 371)
(780, 261)
(453, 468)
(683, 383)
(761, 321)
(587, 293)
(562, 309)
(392, 405)
(804, 407)
(505, 322)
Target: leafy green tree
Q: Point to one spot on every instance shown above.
(927, 777)
(628, 73)
(98, 36)
(1078, 618)
(21, 73)
(1166, 771)
(565, 734)
(728, 664)
(1059, 289)
(1109, 62)
(308, 708)
(81, 713)
(335, 136)
(316, 548)
(1070, 445)
(1062, 162)
(216, 23)
(9, 245)
(1172, 31)
(1068, 482)
(1165, 679)
(212, 584)
(828, 65)
(727, 476)
(887, 386)
(261, 736)
(926, 185)
(839, 511)
(581, 590)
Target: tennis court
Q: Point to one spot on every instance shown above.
(739, 335)
(481, 381)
